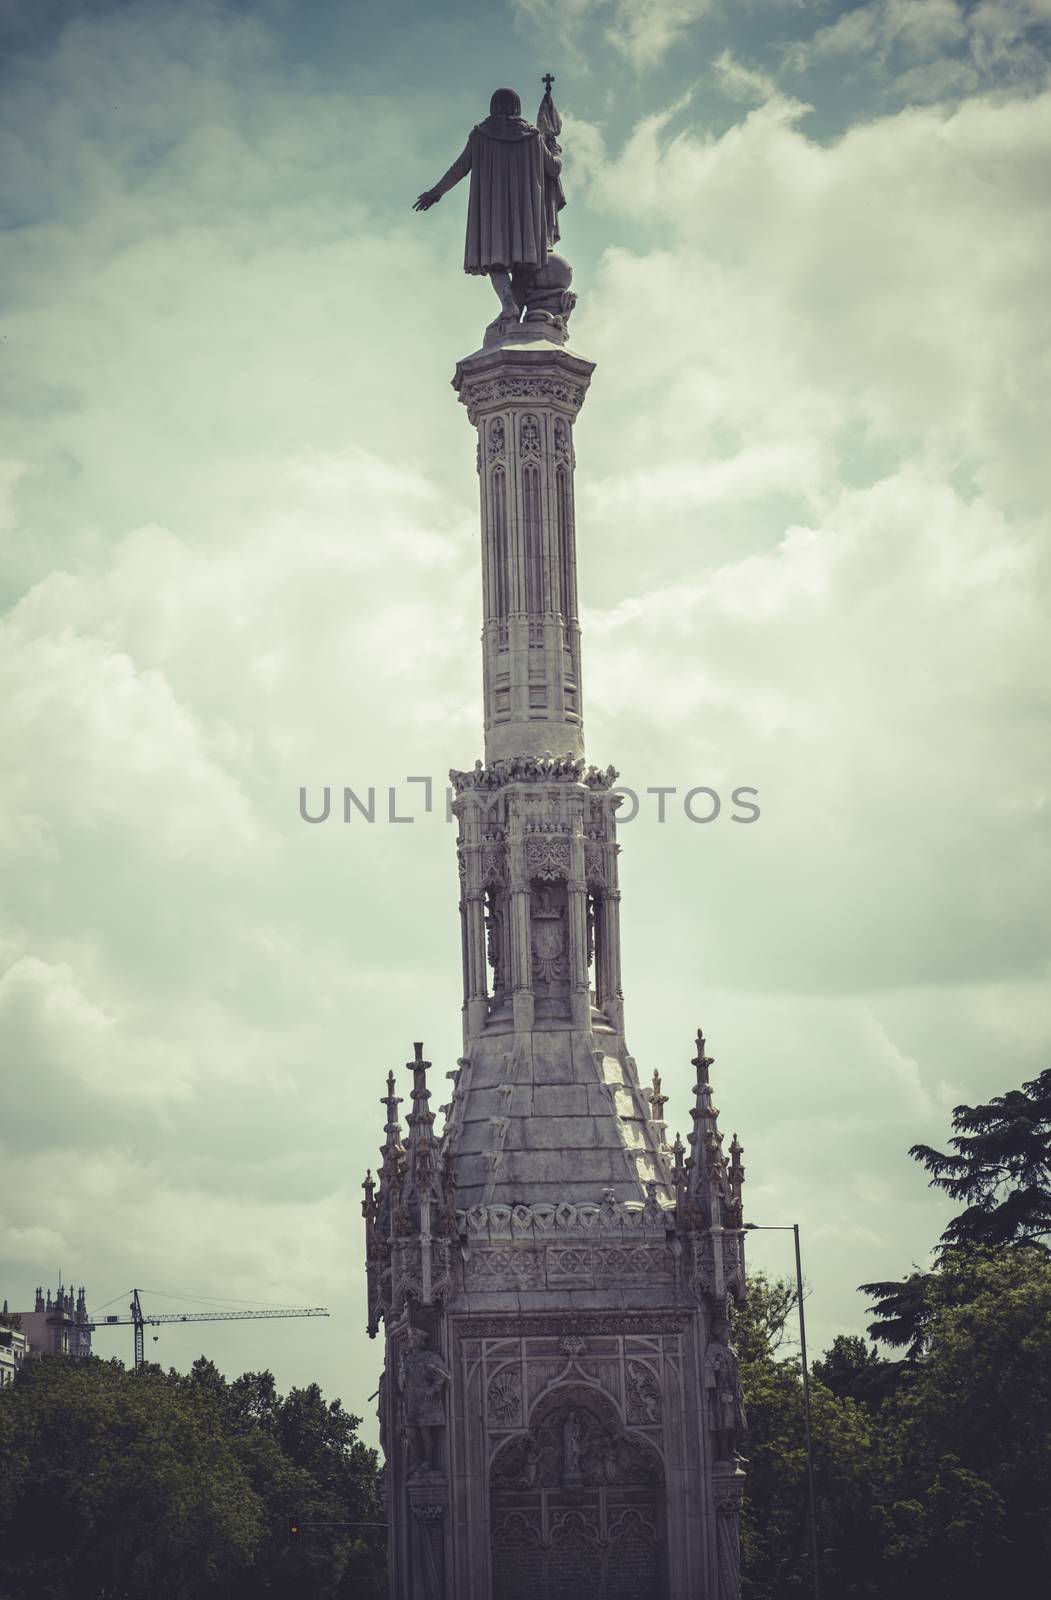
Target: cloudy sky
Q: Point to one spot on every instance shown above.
(239, 520)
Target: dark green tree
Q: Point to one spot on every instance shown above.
(852, 1370)
(146, 1485)
(1000, 1168)
(118, 1484)
(902, 1311)
(971, 1433)
(775, 1539)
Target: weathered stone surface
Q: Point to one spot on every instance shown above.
(563, 1100)
(569, 1269)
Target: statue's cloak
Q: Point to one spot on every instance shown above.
(506, 213)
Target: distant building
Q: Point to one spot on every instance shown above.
(58, 1326)
(13, 1347)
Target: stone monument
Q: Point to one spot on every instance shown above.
(560, 1409)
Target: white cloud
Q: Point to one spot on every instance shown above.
(643, 32)
(742, 83)
(924, 27)
(890, 283)
(923, 50)
(107, 746)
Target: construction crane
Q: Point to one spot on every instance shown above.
(140, 1320)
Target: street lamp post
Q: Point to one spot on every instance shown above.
(793, 1229)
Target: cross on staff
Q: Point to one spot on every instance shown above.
(547, 80)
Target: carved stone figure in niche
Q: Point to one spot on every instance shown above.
(576, 1442)
(530, 1463)
(514, 199)
(644, 1395)
(550, 959)
(726, 1416)
(572, 1440)
(422, 1379)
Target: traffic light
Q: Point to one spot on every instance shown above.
(295, 1532)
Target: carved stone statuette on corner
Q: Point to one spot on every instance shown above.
(725, 1405)
(422, 1379)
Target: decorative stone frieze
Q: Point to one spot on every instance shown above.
(527, 1221)
(479, 393)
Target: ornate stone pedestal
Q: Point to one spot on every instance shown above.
(428, 1500)
(560, 1406)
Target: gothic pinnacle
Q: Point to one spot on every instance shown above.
(736, 1167)
(703, 1112)
(391, 1150)
(657, 1100)
(701, 1061)
(419, 1153)
(369, 1206)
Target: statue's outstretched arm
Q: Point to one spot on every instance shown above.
(459, 169)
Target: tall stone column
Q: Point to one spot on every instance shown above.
(523, 399)
(562, 1402)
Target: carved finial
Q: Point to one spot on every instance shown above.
(701, 1061)
(419, 1069)
(393, 1125)
(547, 80)
(390, 1150)
(736, 1167)
(657, 1100)
(390, 1099)
(702, 1089)
(420, 1151)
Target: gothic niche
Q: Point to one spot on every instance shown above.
(577, 1506)
(549, 944)
(497, 948)
(597, 952)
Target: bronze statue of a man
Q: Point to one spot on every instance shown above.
(515, 194)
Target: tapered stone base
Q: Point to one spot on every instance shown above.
(552, 1114)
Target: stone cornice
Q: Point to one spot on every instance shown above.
(522, 375)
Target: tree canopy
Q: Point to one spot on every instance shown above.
(1000, 1167)
(118, 1485)
(933, 1476)
(933, 1471)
